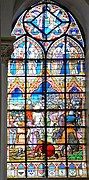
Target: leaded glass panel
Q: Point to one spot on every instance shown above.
(46, 118)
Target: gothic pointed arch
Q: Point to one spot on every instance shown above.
(46, 95)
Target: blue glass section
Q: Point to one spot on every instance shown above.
(49, 87)
(17, 93)
(80, 166)
(70, 119)
(31, 166)
(67, 68)
(62, 166)
(34, 30)
(19, 49)
(22, 44)
(12, 167)
(41, 88)
(56, 32)
(52, 166)
(27, 70)
(36, 98)
(72, 166)
(74, 30)
(74, 89)
(38, 69)
(20, 167)
(79, 67)
(62, 69)
(46, 22)
(13, 67)
(41, 166)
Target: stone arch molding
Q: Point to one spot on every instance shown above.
(87, 1)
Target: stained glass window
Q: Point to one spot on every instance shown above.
(46, 117)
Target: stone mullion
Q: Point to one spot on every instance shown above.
(5, 52)
(87, 103)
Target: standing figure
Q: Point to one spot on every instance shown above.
(13, 132)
